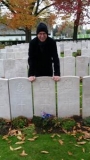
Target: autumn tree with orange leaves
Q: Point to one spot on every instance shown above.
(24, 14)
(77, 8)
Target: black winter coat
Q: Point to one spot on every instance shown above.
(41, 57)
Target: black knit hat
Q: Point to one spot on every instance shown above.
(42, 28)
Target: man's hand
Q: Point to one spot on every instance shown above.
(32, 78)
(56, 78)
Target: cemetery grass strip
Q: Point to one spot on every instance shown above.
(44, 146)
(80, 94)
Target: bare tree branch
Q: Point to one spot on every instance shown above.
(45, 8)
(8, 5)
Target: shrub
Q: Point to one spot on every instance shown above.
(37, 121)
(20, 122)
(53, 123)
(68, 124)
(4, 126)
(46, 122)
(2, 122)
(86, 121)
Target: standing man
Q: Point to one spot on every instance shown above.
(42, 55)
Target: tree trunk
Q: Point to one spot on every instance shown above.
(75, 31)
(28, 35)
(76, 22)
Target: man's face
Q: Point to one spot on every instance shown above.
(42, 36)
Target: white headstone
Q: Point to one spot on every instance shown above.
(61, 46)
(86, 97)
(82, 66)
(4, 99)
(3, 55)
(68, 96)
(20, 97)
(2, 75)
(67, 52)
(21, 67)
(15, 49)
(67, 45)
(10, 55)
(79, 45)
(21, 54)
(88, 44)
(9, 68)
(44, 96)
(74, 46)
(2, 50)
(69, 66)
(84, 44)
(9, 49)
(85, 52)
(61, 66)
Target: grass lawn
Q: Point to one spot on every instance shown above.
(43, 146)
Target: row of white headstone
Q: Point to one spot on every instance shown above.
(68, 47)
(13, 68)
(14, 52)
(69, 66)
(74, 45)
(17, 98)
(18, 53)
(68, 52)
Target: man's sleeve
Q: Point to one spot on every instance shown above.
(56, 60)
(31, 60)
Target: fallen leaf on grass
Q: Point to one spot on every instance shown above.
(86, 135)
(34, 133)
(83, 149)
(22, 138)
(35, 137)
(77, 145)
(23, 154)
(13, 132)
(50, 130)
(9, 142)
(65, 131)
(31, 139)
(45, 152)
(79, 130)
(19, 133)
(80, 138)
(58, 135)
(21, 142)
(53, 135)
(81, 142)
(17, 148)
(5, 137)
(14, 149)
(69, 153)
(61, 142)
(87, 128)
(11, 148)
(19, 137)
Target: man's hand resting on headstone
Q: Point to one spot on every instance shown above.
(56, 78)
(32, 78)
